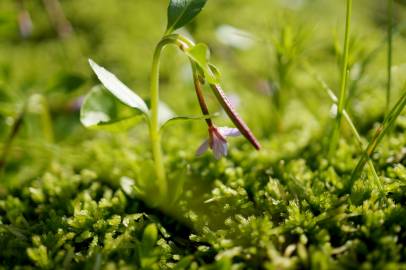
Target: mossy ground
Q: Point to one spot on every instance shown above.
(66, 195)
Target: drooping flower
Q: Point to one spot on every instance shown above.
(217, 141)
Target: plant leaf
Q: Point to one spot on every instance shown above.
(165, 113)
(166, 116)
(200, 55)
(184, 263)
(119, 89)
(150, 236)
(188, 117)
(215, 70)
(100, 110)
(181, 12)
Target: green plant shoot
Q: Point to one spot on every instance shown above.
(100, 109)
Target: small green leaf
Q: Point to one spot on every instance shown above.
(119, 89)
(181, 12)
(100, 110)
(165, 114)
(215, 71)
(184, 263)
(200, 55)
(188, 117)
(150, 236)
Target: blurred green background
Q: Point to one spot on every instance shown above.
(260, 46)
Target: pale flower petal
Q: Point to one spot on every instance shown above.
(219, 148)
(202, 148)
(229, 132)
(217, 141)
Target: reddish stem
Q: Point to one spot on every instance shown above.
(200, 96)
(235, 118)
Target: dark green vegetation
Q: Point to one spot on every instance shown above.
(66, 193)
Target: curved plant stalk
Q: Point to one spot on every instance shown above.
(344, 78)
(154, 126)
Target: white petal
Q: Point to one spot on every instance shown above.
(202, 148)
(229, 132)
(219, 148)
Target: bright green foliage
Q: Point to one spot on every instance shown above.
(101, 110)
(200, 54)
(78, 228)
(181, 12)
(118, 89)
(260, 212)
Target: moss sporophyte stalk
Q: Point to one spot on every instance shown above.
(97, 112)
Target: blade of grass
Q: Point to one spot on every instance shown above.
(358, 139)
(13, 133)
(379, 135)
(363, 69)
(389, 54)
(354, 130)
(344, 77)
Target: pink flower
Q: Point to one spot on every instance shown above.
(217, 141)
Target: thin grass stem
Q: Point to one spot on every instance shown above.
(380, 133)
(354, 130)
(389, 55)
(344, 78)
(13, 133)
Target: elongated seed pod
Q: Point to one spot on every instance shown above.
(235, 118)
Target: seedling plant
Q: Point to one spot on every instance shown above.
(98, 107)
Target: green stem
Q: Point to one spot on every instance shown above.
(379, 135)
(154, 123)
(155, 134)
(45, 117)
(200, 96)
(389, 55)
(361, 147)
(344, 78)
(13, 133)
(347, 118)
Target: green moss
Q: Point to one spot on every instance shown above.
(74, 201)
